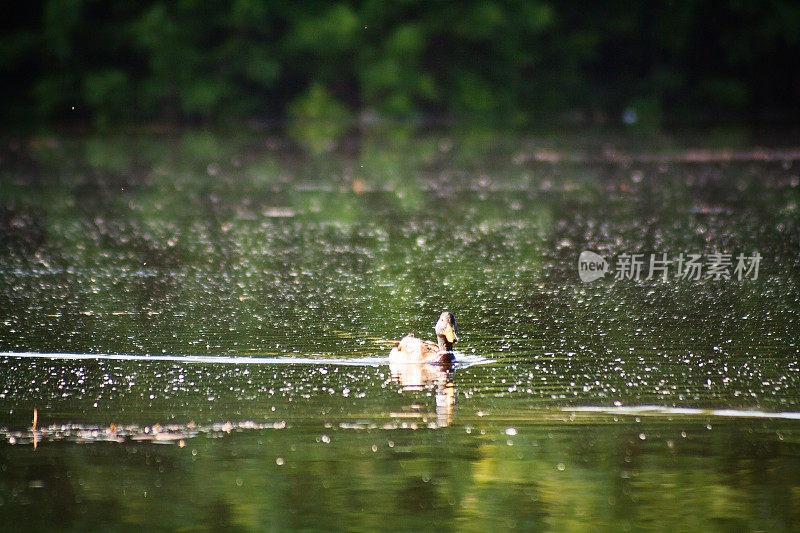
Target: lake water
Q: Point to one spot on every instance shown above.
(267, 283)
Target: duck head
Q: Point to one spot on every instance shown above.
(446, 332)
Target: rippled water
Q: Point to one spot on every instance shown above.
(618, 404)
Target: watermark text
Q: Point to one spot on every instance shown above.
(714, 266)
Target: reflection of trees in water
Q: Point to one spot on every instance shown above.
(373, 479)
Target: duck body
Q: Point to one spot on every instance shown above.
(411, 350)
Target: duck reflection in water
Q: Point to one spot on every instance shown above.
(416, 364)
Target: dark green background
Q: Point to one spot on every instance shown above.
(99, 63)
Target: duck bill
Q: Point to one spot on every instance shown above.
(449, 334)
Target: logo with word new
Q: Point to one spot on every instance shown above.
(591, 266)
(689, 267)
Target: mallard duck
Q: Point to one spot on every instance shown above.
(411, 350)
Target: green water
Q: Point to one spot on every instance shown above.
(618, 404)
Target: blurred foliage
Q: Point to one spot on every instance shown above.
(189, 62)
(317, 119)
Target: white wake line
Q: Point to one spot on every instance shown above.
(656, 410)
(203, 359)
(462, 361)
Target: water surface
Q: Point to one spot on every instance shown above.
(620, 404)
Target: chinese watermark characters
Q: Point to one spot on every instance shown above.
(663, 266)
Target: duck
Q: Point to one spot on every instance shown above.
(412, 350)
